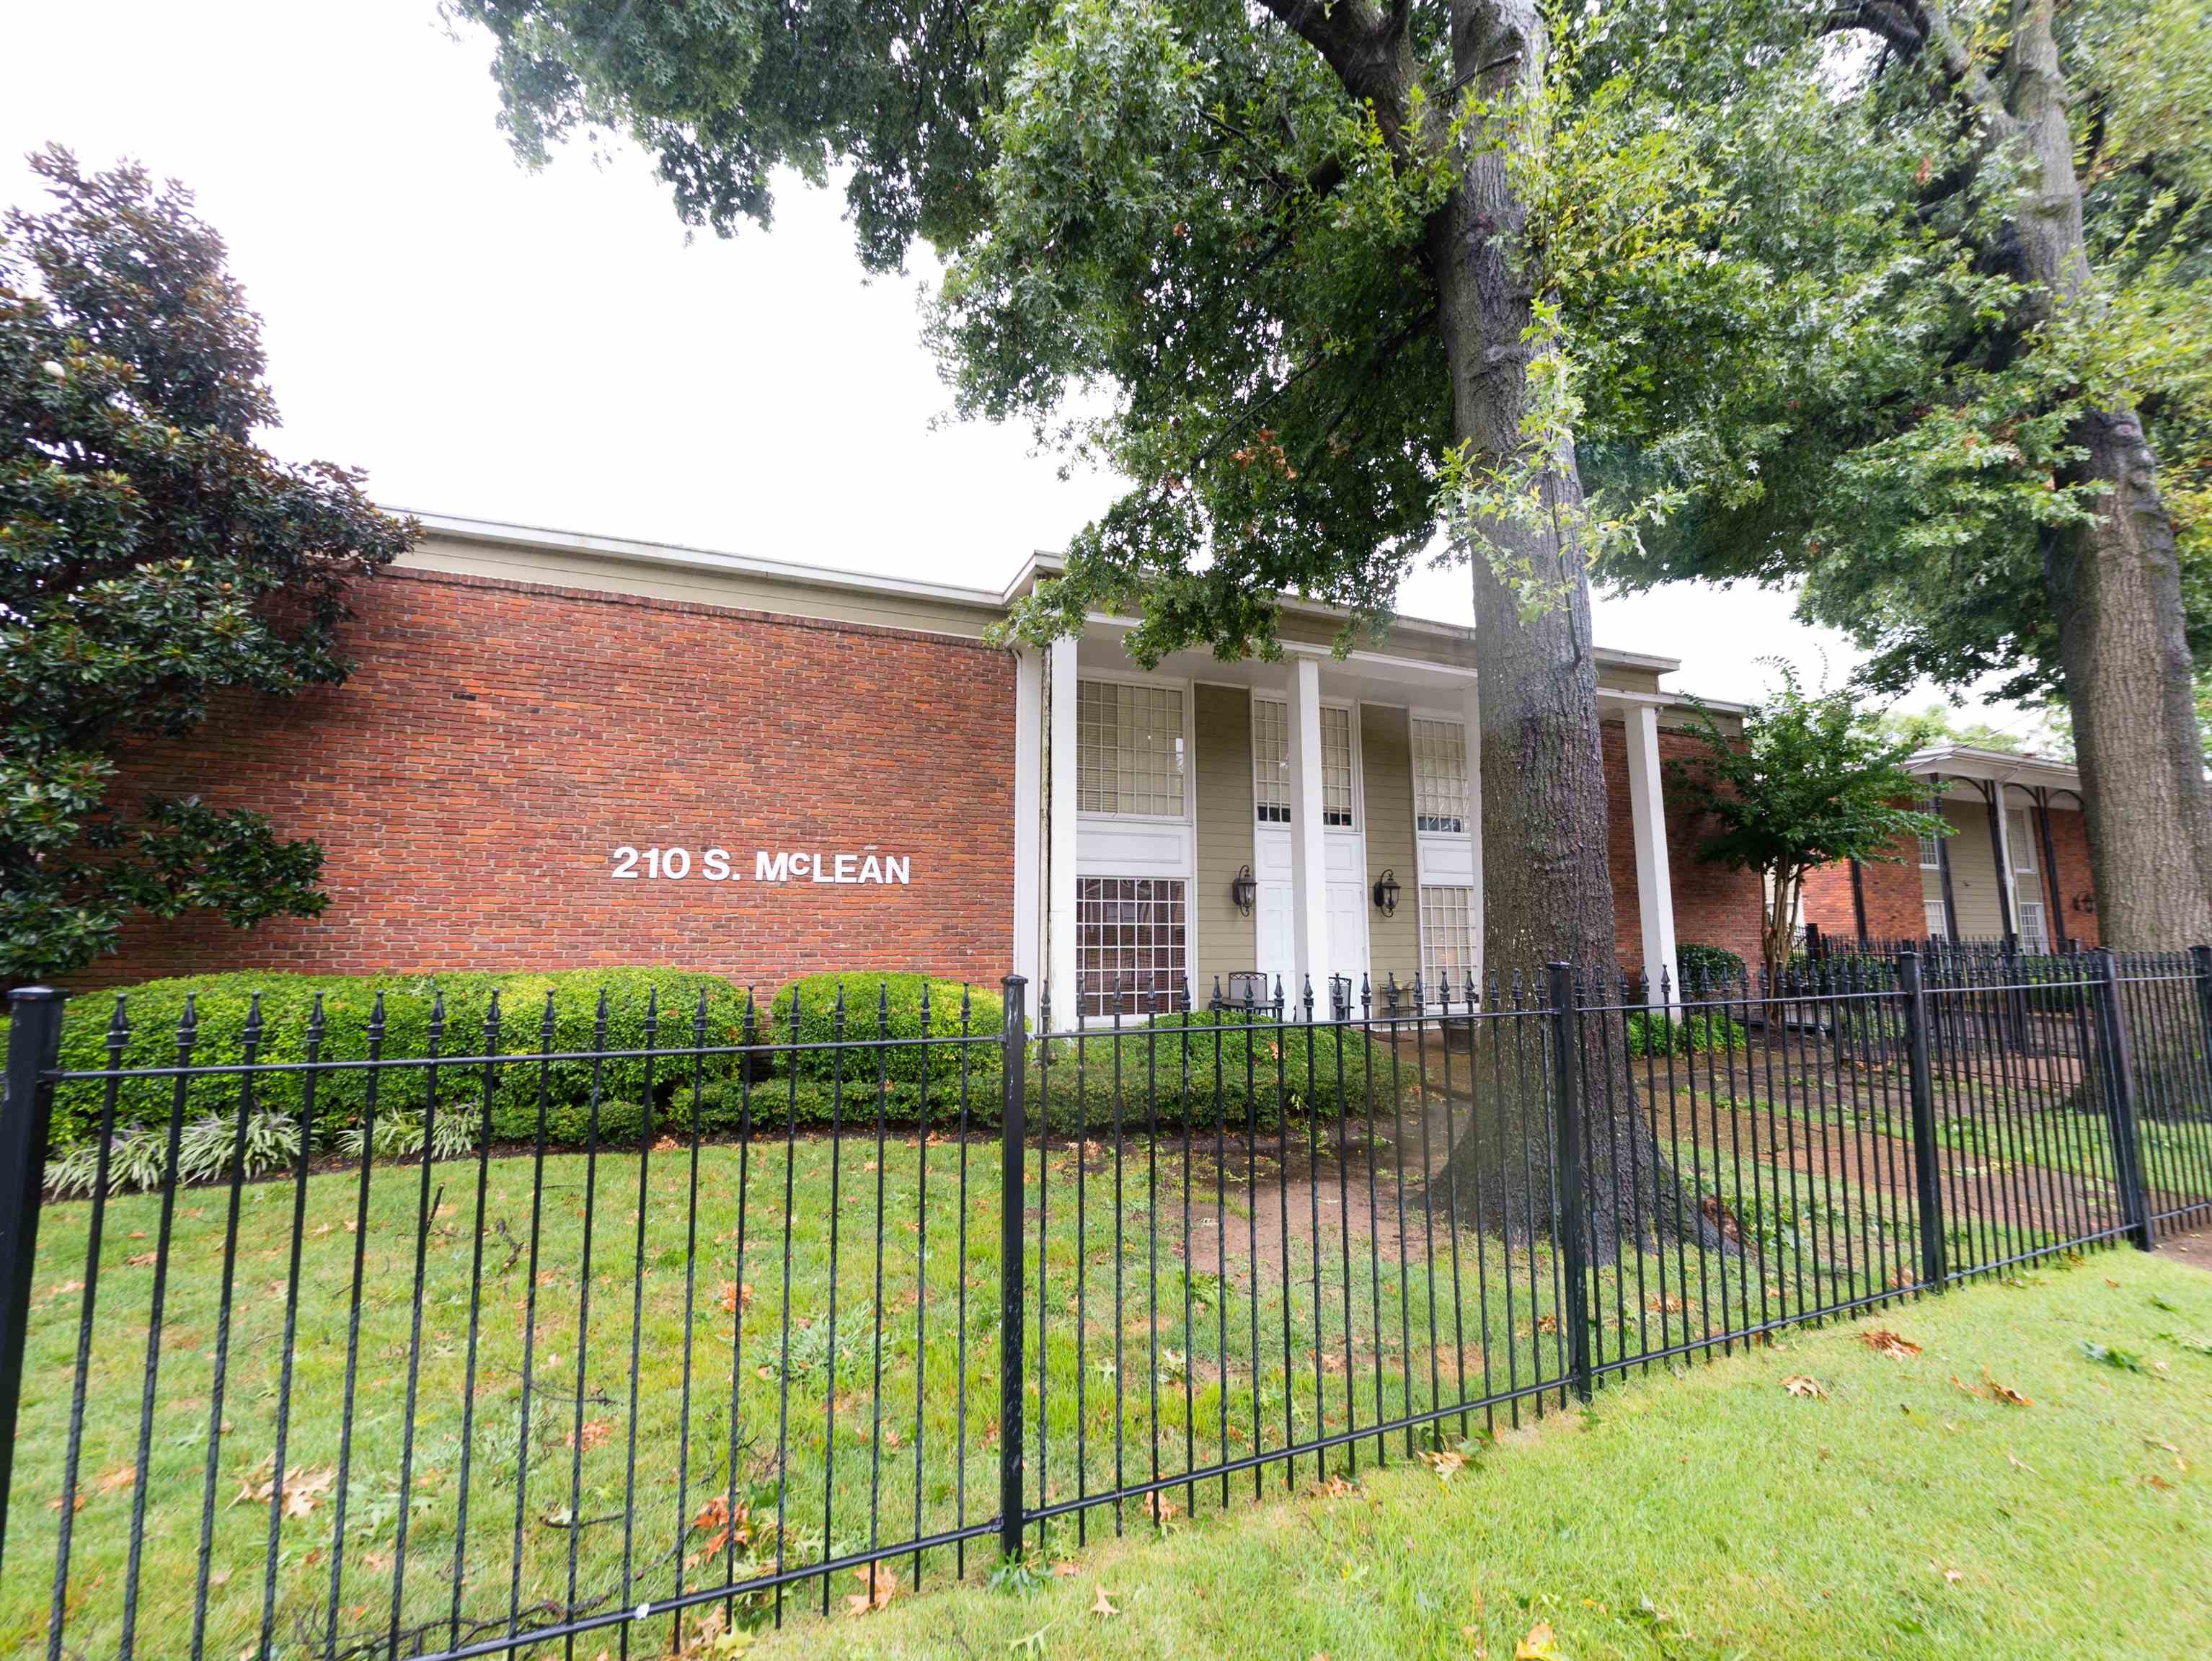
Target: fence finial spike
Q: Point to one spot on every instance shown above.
(253, 1018)
(545, 1021)
(315, 1020)
(375, 1014)
(118, 1025)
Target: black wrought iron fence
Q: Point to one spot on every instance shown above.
(479, 1340)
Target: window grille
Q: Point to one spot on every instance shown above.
(1931, 856)
(1932, 911)
(2034, 937)
(1335, 766)
(1446, 942)
(1271, 761)
(1130, 939)
(1129, 748)
(1439, 776)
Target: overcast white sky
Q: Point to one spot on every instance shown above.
(548, 349)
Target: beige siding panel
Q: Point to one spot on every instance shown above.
(1615, 676)
(1973, 870)
(696, 585)
(1222, 775)
(1428, 645)
(1394, 943)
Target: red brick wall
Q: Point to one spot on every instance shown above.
(498, 740)
(1894, 908)
(2070, 840)
(1714, 905)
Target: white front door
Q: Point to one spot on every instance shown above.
(1347, 932)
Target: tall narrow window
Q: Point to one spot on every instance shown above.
(1271, 761)
(1131, 935)
(1447, 942)
(2034, 937)
(1336, 797)
(2019, 840)
(1129, 748)
(1439, 777)
(1934, 917)
(1931, 856)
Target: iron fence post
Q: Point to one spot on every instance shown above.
(1566, 1057)
(1927, 1170)
(35, 1036)
(2119, 1097)
(1012, 1232)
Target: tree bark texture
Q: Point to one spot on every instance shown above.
(1547, 885)
(2114, 582)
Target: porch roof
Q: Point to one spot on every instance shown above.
(1996, 767)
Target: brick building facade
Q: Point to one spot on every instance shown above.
(562, 751)
(2015, 864)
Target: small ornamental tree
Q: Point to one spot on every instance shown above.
(151, 555)
(1812, 780)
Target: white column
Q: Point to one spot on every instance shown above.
(1647, 812)
(2004, 861)
(1471, 730)
(1028, 812)
(1309, 853)
(1059, 855)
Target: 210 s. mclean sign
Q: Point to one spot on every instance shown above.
(769, 866)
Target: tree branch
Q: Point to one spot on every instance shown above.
(1355, 41)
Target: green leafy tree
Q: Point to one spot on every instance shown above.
(151, 556)
(1812, 780)
(1953, 367)
(1319, 263)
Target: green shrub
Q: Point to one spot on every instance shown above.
(1707, 966)
(221, 1003)
(1169, 1073)
(888, 1006)
(1654, 1034)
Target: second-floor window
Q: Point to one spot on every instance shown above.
(1931, 855)
(1336, 797)
(1439, 776)
(1130, 754)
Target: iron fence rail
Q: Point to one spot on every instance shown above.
(483, 1349)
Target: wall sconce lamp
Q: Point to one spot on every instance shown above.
(1386, 894)
(1243, 890)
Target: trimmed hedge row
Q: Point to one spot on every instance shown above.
(221, 1003)
(1198, 1069)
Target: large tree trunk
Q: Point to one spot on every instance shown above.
(1547, 890)
(2115, 583)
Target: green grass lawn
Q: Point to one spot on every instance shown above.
(1905, 1510)
(1169, 1341)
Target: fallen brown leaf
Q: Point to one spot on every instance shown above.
(1798, 1384)
(878, 1586)
(1884, 1342)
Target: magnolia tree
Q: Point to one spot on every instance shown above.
(151, 555)
(1812, 780)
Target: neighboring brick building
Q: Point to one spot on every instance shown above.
(560, 750)
(2016, 862)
